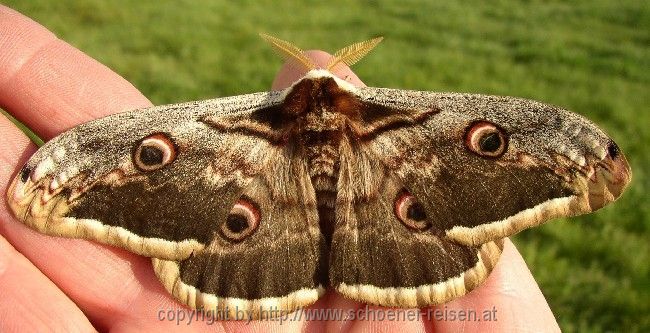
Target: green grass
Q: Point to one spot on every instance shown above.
(590, 56)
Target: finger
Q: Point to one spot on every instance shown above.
(289, 74)
(509, 298)
(113, 287)
(27, 293)
(383, 319)
(49, 85)
(342, 319)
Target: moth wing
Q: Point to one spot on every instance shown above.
(555, 163)
(168, 182)
(277, 269)
(85, 183)
(376, 258)
(416, 143)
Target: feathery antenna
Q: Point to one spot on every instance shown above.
(294, 56)
(351, 54)
(289, 52)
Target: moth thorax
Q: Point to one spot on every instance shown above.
(322, 150)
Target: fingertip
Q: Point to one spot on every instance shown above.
(288, 74)
(27, 293)
(509, 297)
(51, 86)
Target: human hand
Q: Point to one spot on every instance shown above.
(58, 284)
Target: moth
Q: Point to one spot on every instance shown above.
(260, 202)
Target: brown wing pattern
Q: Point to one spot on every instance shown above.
(469, 189)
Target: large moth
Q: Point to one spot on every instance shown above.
(261, 201)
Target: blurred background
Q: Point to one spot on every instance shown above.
(592, 57)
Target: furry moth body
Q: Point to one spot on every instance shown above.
(261, 201)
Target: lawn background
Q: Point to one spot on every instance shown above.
(592, 57)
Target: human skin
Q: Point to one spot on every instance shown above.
(59, 284)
